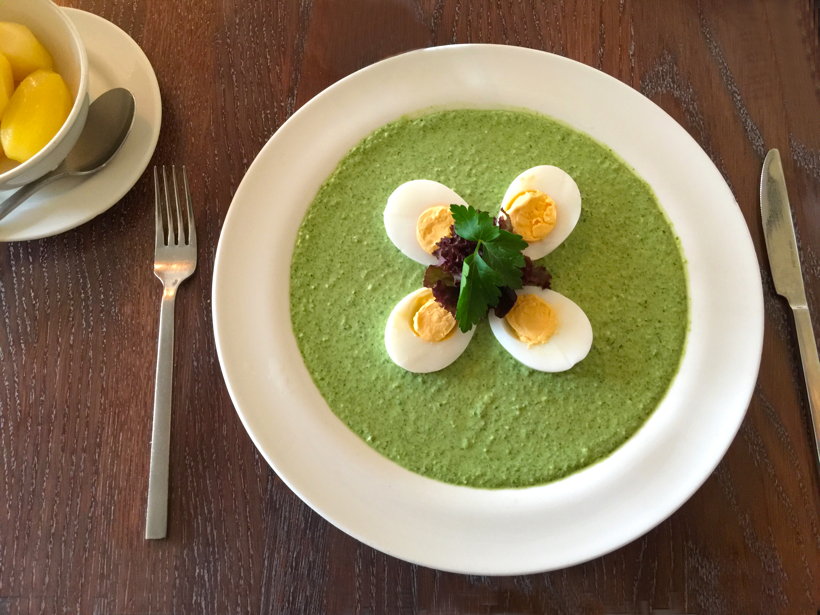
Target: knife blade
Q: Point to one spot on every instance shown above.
(781, 246)
(778, 231)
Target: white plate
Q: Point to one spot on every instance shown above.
(114, 60)
(461, 529)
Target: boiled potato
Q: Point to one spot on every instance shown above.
(5, 163)
(6, 83)
(23, 50)
(36, 112)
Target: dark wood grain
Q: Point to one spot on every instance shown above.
(78, 323)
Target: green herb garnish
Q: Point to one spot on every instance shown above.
(496, 262)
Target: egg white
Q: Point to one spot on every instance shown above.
(405, 205)
(570, 344)
(412, 353)
(561, 188)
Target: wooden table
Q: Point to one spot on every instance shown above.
(78, 317)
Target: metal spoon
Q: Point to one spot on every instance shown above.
(109, 120)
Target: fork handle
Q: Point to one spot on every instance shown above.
(156, 521)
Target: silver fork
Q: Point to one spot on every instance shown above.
(174, 262)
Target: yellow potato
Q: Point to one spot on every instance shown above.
(5, 163)
(6, 83)
(36, 112)
(23, 50)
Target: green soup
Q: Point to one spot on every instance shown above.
(486, 420)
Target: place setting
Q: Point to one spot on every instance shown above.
(458, 511)
(478, 332)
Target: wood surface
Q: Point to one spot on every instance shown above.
(78, 318)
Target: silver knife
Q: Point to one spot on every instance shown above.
(778, 230)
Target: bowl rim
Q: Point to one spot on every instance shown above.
(76, 108)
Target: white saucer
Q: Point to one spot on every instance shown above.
(114, 60)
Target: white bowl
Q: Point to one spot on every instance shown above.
(460, 529)
(59, 36)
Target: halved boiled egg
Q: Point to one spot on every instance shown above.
(543, 204)
(544, 330)
(417, 215)
(421, 336)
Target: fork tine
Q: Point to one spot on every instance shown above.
(159, 234)
(189, 207)
(180, 227)
(169, 221)
(173, 228)
(172, 233)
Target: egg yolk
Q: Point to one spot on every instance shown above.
(431, 322)
(433, 224)
(532, 320)
(532, 215)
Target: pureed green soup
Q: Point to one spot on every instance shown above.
(486, 420)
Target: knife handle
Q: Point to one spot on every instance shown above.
(811, 368)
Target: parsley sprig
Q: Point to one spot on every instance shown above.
(496, 262)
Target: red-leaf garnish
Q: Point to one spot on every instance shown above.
(446, 296)
(451, 252)
(445, 288)
(502, 221)
(535, 275)
(505, 302)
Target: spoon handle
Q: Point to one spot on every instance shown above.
(11, 203)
